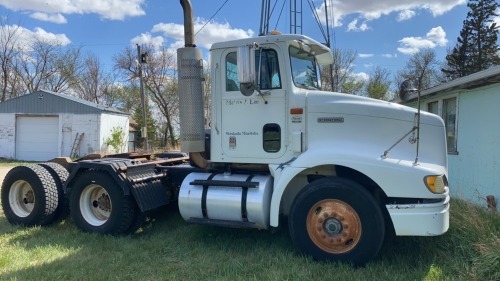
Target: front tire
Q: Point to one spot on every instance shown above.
(29, 196)
(98, 204)
(338, 220)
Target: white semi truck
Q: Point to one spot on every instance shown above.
(345, 170)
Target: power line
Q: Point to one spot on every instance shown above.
(279, 16)
(211, 17)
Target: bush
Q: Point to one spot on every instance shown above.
(116, 140)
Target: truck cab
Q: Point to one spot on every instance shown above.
(344, 169)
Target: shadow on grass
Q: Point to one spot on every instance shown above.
(167, 248)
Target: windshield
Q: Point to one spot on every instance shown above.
(304, 70)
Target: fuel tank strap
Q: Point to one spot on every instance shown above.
(210, 182)
(204, 195)
(244, 194)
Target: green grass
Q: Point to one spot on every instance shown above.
(5, 162)
(169, 249)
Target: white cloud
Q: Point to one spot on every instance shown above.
(148, 39)
(438, 35)
(54, 18)
(435, 37)
(360, 76)
(363, 56)
(25, 37)
(47, 37)
(108, 9)
(211, 33)
(371, 10)
(353, 26)
(390, 56)
(405, 15)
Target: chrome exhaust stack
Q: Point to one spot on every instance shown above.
(190, 78)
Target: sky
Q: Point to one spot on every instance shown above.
(383, 33)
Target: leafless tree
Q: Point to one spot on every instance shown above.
(43, 65)
(207, 100)
(160, 81)
(343, 81)
(8, 52)
(95, 84)
(422, 68)
(67, 64)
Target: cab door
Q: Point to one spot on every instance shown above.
(253, 127)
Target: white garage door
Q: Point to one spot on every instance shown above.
(37, 138)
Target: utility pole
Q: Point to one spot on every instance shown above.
(144, 129)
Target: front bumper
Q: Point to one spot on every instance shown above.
(427, 219)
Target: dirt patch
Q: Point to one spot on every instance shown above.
(3, 172)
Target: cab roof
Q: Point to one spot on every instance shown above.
(322, 52)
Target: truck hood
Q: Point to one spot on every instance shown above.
(345, 104)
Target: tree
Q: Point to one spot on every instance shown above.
(138, 124)
(343, 81)
(126, 97)
(44, 65)
(160, 81)
(207, 97)
(8, 53)
(378, 84)
(352, 86)
(422, 68)
(96, 85)
(477, 46)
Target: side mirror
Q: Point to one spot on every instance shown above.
(406, 89)
(246, 69)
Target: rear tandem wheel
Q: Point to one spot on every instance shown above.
(98, 204)
(29, 196)
(60, 175)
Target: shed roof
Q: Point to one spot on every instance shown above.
(47, 102)
(475, 80)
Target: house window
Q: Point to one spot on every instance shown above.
(449, 116)
(447, 109)
(433, 107)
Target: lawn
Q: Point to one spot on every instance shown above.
(167, 248)
(11, 163)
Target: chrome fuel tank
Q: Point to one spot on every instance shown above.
(226, 198)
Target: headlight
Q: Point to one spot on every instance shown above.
(435, 184)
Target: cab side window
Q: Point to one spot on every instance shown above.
(232, 73)
(269, 70)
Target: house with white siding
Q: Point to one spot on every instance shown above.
(44, 125)
(470, 108)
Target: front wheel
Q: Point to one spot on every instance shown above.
(98, 204)
(336, 219)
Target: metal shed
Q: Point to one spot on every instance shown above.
(43, 125)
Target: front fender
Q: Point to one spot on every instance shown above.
(396, 177)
